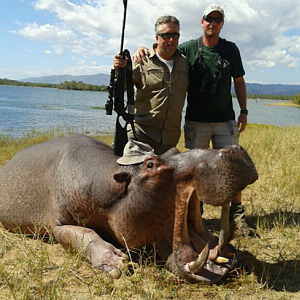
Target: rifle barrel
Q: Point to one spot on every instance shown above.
(123, 28)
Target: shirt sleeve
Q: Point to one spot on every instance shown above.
(238, 69)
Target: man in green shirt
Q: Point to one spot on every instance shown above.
(210, 116)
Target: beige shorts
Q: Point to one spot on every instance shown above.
(141, 137)
(199, 135)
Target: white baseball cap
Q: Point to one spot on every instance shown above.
(214, 7)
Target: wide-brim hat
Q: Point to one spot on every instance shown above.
(214, 7)
(134, 153)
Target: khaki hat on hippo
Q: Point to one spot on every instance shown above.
(211, 8)
(134, 153)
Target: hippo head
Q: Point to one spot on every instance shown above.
(213, 177)
(164, 196)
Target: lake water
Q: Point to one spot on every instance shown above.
(23, 109)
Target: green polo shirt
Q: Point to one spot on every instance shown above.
(203, 107)
(160, 97)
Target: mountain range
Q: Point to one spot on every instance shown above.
(103, 79)
(97, 79)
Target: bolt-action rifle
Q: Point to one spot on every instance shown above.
(116, 99)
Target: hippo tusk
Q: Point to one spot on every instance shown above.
(222, 260)
(197, 265)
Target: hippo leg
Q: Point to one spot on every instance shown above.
(98, 252)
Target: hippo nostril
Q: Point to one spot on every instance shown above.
(150, 165)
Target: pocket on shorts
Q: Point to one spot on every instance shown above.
(189, 130)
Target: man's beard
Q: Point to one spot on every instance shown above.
(210, 33)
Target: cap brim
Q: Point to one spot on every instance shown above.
(126, 161)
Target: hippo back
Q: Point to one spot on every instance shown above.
(28, 181)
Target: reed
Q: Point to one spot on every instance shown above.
(31, 268)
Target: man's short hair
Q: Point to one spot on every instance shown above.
(165, 19)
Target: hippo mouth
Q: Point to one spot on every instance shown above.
(195, 255)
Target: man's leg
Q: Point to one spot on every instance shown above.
(197, 134)
(237, 220)
(226, 134)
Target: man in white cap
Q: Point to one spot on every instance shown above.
(210, 116)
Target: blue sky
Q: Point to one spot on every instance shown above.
(80, 37)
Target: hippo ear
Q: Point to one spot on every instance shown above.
(122, 177)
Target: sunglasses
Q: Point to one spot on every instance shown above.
(211, 19)
(167, 35)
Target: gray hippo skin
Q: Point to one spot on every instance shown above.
(74, 188)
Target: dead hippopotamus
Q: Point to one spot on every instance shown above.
(73, 187)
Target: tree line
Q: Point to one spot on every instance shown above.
(295, 99)
(67, 85)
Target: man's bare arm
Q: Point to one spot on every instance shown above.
(240, 91)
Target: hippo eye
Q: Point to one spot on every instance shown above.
(150, 165)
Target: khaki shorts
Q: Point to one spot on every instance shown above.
(199, 135)
(141, 137)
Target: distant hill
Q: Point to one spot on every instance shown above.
(273, 89)
(103, 79)
(97, 79)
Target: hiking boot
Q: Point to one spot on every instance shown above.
(238, 224)
(243, 229)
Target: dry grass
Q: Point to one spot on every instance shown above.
(270, 266)
(290, 104)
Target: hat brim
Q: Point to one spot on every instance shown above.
(126, 161)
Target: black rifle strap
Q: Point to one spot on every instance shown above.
(200, 54)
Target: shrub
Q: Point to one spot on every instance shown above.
(296, 100)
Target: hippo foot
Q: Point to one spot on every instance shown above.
(110, 260)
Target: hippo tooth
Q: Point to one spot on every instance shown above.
(197, 265)
(222, 260)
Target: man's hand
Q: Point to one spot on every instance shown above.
(119, 62)
(141, 54)
(242, 122)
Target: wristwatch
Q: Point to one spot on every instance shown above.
(244, 111)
